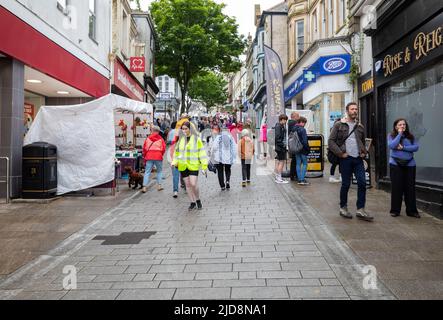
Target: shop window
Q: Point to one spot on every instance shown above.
(418, 99)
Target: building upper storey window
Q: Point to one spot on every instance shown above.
(331, 18)
(62, 5)
(92, 20)
(341, 12)
(300, 38)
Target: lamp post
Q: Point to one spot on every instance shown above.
(241, 107)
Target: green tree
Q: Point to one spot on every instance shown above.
(194, 36)
(210, 88)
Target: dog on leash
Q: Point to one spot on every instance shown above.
(135, 178)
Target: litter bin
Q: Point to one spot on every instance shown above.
(39, 171)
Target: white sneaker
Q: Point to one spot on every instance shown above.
(281, 181)
(334, 180)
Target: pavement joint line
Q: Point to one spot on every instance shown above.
(341, 248)
(20, 273)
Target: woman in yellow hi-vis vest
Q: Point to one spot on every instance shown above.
(190, 156)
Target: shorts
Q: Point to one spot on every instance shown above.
(188, 173)
(281, 156)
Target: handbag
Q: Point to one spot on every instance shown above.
(332, 157)
(211, 167)
(402, 162)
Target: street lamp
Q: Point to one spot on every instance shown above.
(241, 107)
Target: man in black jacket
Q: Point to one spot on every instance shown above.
(295, 116)
(280, 147)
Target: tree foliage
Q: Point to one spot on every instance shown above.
(210, 88)
(194, 36)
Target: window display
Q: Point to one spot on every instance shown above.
(418, 99)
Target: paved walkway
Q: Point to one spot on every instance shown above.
(406, 252)
(261, 242)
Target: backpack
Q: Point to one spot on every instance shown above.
(294, 143)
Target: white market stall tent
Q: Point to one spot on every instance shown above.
(84, 135)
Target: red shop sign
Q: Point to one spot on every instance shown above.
(137, 64)
(124, 81)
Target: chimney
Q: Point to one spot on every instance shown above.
(257, 14)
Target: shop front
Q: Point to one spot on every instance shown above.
(408, 68)
(324, 89)
(37, 67)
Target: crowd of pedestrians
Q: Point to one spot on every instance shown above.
(217, 143)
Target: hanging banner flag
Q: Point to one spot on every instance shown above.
(274, 86)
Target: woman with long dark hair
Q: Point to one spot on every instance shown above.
(402, 145)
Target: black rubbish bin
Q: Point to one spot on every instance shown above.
(39, 171)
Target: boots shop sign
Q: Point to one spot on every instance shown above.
(420, 47)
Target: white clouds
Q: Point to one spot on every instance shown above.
(242, 10)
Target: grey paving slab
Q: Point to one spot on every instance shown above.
(143, 277)
(176, 276)
(260, 293)
(186, 284)
(202, 294)
(318, 274)
(256, 266)
(292, 282)
(136, 285)
(220, 267)
(146, 294)
(239, 283)
(317, 292)
(42, 295)
(104, 270)
(92, 295)
(279, 275)
(166, 268)
(247, 275)
(114, 278)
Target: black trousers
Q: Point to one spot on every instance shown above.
(246, 169)
(403, 186)
(223, 169)
(293, 168)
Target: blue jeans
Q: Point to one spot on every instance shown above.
(301, 159)
(175, 179)
(349, 166)
(149, 165)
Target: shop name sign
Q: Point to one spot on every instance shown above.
(129, 86)
(137, 64)
(335, 65)
(324, 66)
(367, 86)
(423, 45)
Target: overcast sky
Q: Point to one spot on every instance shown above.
(242, 10)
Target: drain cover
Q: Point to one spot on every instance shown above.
(125, 238)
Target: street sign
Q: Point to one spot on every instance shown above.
(165, 95)
(315, 156)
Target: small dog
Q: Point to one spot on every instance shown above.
(135, 178)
